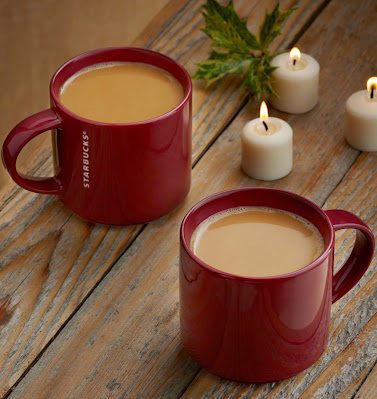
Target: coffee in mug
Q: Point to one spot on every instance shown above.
(118, 164)
(263, 328)
(121, 92)
(257, 241)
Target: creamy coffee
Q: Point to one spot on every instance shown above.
(256, 241)
(121, 92)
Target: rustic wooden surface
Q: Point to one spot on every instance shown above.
(32, 222)
(92, 311)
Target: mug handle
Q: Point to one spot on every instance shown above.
(361, 256)
(19, 136)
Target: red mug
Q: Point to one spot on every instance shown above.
(265, 329)
(111, 173)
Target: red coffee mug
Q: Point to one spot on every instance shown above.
(265, 329)
(111, 173)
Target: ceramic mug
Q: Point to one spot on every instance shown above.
(111, 173)
(265, 329)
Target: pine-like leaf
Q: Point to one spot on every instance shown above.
(271, 27)
(258, 77)
(234, 45)
(226, 29)
(220, 64)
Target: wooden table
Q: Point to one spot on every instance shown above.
(92, 311)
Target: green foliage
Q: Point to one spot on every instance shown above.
(236, 50)
(271, 27)
(220, 64)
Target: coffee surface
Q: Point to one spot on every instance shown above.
(121, 92)
(257, 242)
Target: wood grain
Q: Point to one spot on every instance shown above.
(153, 343)
(124, 340)
(358, 355)
(351, 389)
(369, 388)
(51, 260)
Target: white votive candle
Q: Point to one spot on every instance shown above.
(295, 82)
(267, 149)
(361, 118)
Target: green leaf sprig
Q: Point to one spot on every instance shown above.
(236, 50)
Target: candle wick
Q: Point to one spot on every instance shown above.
(372, 92)
(294, 61)
(265, 125)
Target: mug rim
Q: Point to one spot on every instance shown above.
(316, 262)
(104, 50)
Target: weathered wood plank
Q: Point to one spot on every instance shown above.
(349, 392)
(161, 23)
(124, 340)
(369, 388)
(358, 355)
(51, 259)
(146, 328)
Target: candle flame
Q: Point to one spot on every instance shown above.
(372, 83)
(263, 113)
(295, 54)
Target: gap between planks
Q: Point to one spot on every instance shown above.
(364, 380)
